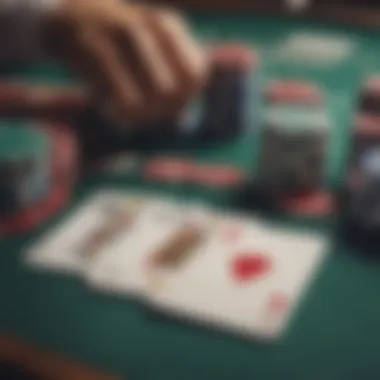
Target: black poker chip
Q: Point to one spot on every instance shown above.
(291, 161)
(227, 96)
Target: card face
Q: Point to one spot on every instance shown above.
(160, 238)
(85, 232)
(247, 278)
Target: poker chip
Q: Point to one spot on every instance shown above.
(293, 92)
(373, 84)
(309, 203)
(62, 171)
(371, 162)
(295, 119)
(169, 170)
(218, 176)
(367, 124)
(315, 49)
(369, 97)
(31, 99)
(178, 170)
(24, 172)
(234, 55)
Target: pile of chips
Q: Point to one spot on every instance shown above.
(294, 147)
(360, 203)
(37, 164)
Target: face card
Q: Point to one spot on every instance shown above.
(78, 239)
(247, 278)
(161, 237)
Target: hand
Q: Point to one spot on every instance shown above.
(141, 60)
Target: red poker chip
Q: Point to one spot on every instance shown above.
(312, 203)
(217, 176)
(290, 92)
(168, 170)
(63, 168)
(367, 125)
(372, 84)
(234, 55)
(18, 97)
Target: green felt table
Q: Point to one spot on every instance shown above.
(335, 333)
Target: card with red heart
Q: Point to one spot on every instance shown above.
(247, 278)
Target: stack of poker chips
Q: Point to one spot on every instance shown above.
(369, 98)
(293, 150)
(360, 200)
(37, 173)
(24, 169)
(223, 110)
(220, 112)
(294, 142)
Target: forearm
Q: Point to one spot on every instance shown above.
(20, 28)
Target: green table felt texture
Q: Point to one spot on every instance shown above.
(335, 333)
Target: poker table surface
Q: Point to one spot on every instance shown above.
(335, 333)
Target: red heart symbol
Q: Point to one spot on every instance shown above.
(250, 266)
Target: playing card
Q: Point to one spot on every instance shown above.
(155, 238)
(247, 278)
(72, 245)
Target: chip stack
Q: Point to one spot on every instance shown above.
(24, 169)
(360, 200)
(294, 147)
(369, 98)
(228, 98)
(293, 150)
(38, 164)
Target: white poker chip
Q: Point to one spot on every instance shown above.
(296, 119)
(315, 49)
(297, 5)
(371, 162)
(372, 84)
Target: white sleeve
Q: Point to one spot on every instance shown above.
(20, 32)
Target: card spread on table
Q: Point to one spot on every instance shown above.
(84, 233)
(239, 274)
(162, 237)
(247, 279)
